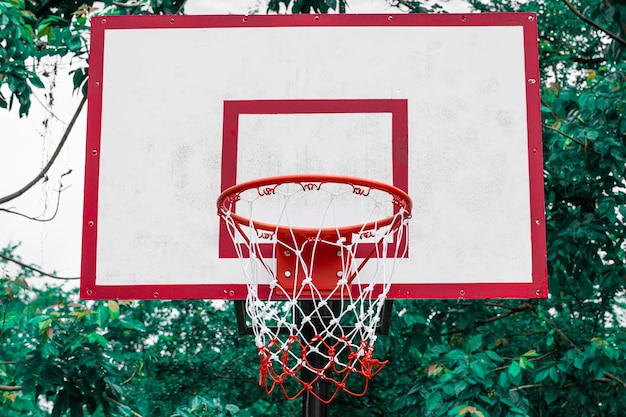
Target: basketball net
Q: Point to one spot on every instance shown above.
(316, 281)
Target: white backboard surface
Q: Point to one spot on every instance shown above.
(445, 107)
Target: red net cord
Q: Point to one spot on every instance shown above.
(335, 372)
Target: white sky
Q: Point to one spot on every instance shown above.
(25, 147)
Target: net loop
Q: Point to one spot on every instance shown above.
(316, 282)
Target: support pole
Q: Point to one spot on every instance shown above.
(311, 406)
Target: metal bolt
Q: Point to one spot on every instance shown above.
(462, 292)
(90, 223)
(339, 274)
(287, 274)
(531, 81)
(156, 294)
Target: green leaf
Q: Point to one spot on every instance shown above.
(523, 363)
(579, 361)
(503, 380)
(438, 349)
(494, 356)
(458, 411)
(515, 373)
(58, 408)
(554, 374)
(551, 394)
(478, 370)
(541, 375)
(102, 315)
(514, 369)
(413, 318)
(36, 81)
(114, 309)
(98, 338)
(475, 342)
(459, 387)
(433, 400)
(74, 43)
(132, 324)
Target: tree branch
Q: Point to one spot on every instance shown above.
(512, 310)
(398, 3)
(56, 209)
(499, 305)
(594, 24)
(10, 388)
(132, 376)
(573, 139)
(521, 387)
(32, 268)
(557, 329)
(614, 378)
(119, 404)
(589, 61)
(45, 169)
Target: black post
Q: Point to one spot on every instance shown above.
(311, 406)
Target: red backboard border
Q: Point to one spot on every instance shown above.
(537, 288)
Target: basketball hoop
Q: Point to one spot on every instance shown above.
(317, 281)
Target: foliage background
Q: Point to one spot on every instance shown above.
(557, 357)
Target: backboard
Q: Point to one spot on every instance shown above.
(445, 107)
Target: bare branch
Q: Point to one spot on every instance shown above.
(557, 329)
(56, 209)
(573, 139)
(522, 387)
(45, 169)
(119, 404)
(397, 3)
(32, 268)
(614, 378)
(132, 376)
(594, 24)
(512, 310)
(10, 388)
(499, 305)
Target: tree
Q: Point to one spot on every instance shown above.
(559, 357)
